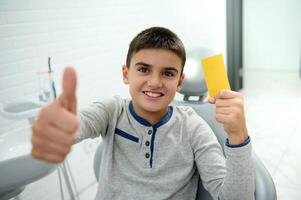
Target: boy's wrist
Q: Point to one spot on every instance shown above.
(237, 140)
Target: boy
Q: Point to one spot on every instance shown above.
(152, 150)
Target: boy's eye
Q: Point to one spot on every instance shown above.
(143, 69)
(169, 73)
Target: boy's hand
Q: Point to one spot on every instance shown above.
(230, 112)
(53, 133)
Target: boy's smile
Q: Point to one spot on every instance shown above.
(153, 77)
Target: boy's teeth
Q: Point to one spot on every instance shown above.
(153, 94)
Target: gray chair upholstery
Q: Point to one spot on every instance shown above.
(193, 86)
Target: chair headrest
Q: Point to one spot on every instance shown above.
(194, 82)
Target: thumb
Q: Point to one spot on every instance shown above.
(68, 97)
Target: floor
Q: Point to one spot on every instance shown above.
(272, 102)
(273, 106)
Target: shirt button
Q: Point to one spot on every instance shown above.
(150, 132)
(147, 155)
(147, 143)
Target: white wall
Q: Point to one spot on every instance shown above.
(272, 34)
(92, 35)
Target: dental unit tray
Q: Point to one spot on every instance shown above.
(20, 109)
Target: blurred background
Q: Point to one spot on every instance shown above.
(260, 41)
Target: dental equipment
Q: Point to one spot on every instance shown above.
(51, 82)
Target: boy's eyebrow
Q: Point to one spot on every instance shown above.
(142, 63)
(148, 65)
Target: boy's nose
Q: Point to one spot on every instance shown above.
(154, 82)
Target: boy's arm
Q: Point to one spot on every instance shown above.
(93, 121)
(233, 178)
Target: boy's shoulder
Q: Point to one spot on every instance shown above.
(111, 105)
(184, 109)
(112, 101)
(188, 113)
(193, 123)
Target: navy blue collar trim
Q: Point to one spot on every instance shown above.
(144, 122)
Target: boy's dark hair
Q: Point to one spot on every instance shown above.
(156, 38)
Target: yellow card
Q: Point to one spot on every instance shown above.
(215, 74)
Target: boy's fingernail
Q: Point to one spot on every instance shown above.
(211, 100)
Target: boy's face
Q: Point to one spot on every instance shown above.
(153, 77)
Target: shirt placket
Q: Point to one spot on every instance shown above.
(146, 143)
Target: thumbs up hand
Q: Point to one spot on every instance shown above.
(54, 131)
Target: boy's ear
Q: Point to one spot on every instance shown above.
(180, 83)
(125, 74)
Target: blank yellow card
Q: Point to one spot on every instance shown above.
(215, 74)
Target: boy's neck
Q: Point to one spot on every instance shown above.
(151, 117)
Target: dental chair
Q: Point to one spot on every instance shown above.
(194, 87)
